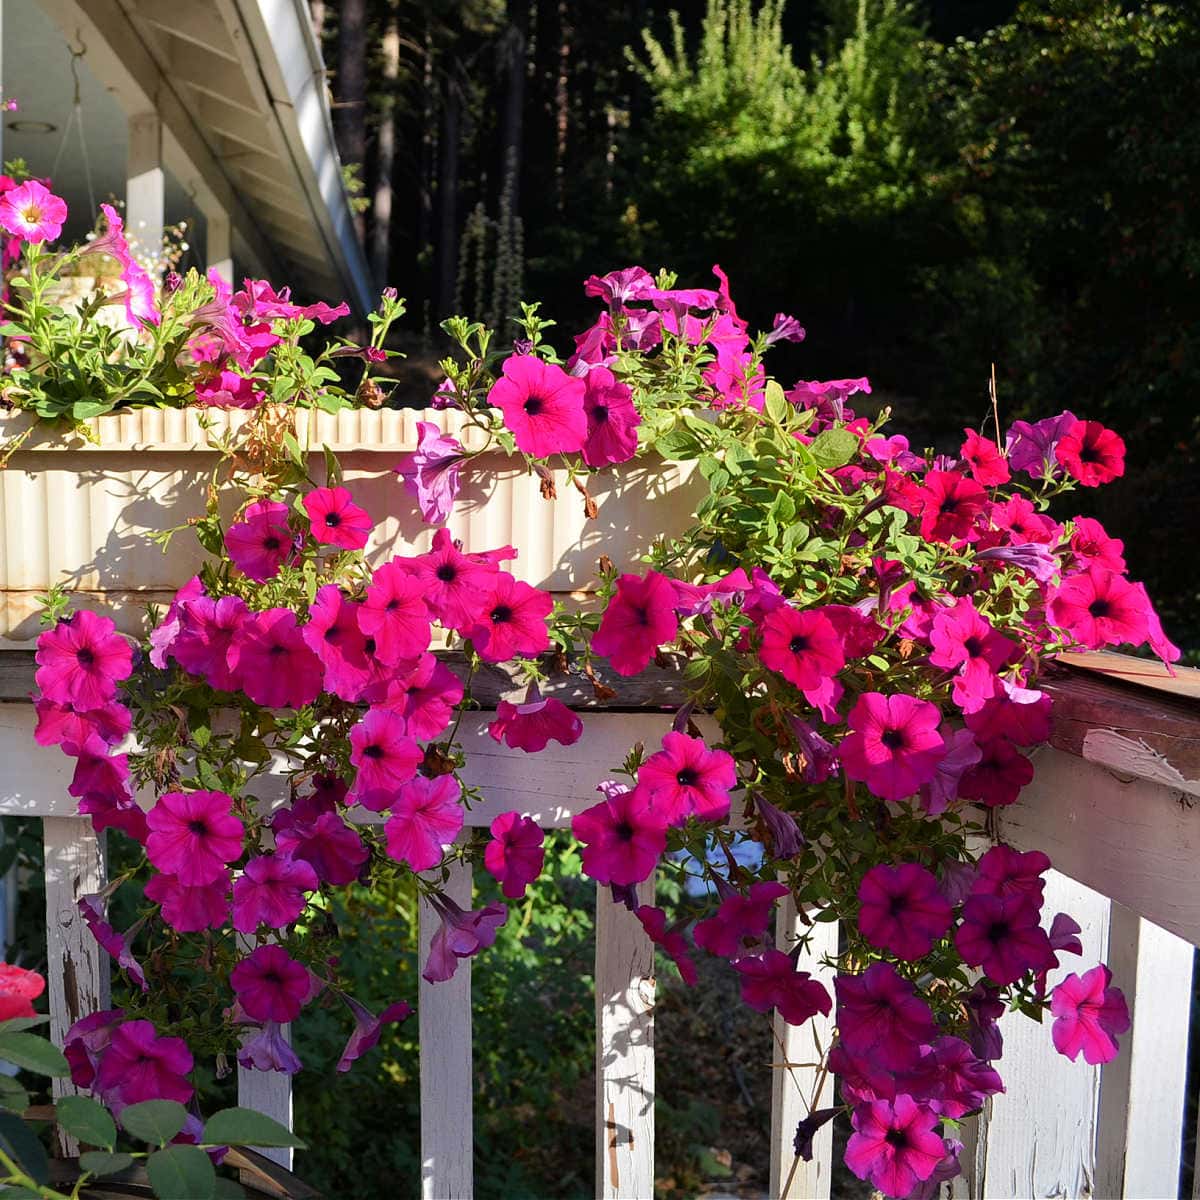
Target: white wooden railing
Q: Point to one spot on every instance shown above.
(1112, 803)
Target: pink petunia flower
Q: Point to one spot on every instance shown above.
(987, 465)
(18, 990)
(139, 287)
(894, 745)
(961, 753)
(612, 419)
(60, 724)
(395, 614)
(81, 660)
(268, 1049)
(624, 836)
(115, 809)
(191, 908)
(117, 945)
(207, 629)
(638, 620)
(1092, 546)
(1100, 608)
(32, 213)
(97, 769)
(430, 472)
(999, 776)
(427, 814)
(685, 778)
(770, 980)
(512, 620)
(1002, 934)
(274, 666)
(950, 504)
(1022, 715)
(962, 638)
(425, 698)
(1006, 872)
(964, 1081)
(454, 584)
(1090, 453)
(542, 406)
(324, 841)
(386, 757)
(803, 647)
(332, 633)
(741, 921)
(880, 1015)
(515, 854)
(138, 1065)
(224, 388)
(533, 725)
(273, 891)
(270, 985)
(193, 835)
(902, 910)
(87, 1041)
(1088, 1013)
(336, 520)
(894, 1144)
(672, 942)
(461, 935)
(261, 541)
(367, 1029)
(1031, 448)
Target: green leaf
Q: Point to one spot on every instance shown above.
(333, 468)
(21, 1143)
(81, 410)
(16, 1024)
(834, 448)
(33, 1053)
(294, 452)
(12, 1095)
(87, 1120)
(154, 1121)
(181, 1173)
(245, 1127)
(775, 402)
(98, 1163)
(678, 444)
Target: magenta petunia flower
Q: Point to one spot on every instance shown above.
(367, 1029)
(961, 753)
(542, 406)
(425, 699)
(87, 1041)
(619, 287)
(894, 744)
(1002, 935)
(1030, 557)
(1020, 714)
(612, 419)
(395, 614)
(117, 945)
(803, 647)
(274, 666)
(999, 776)
(515, 854)
(770, 980)
(880, 1015)
(430, 472)
(1099, 608)
(685, 778)
(267, 1049)
(638, 619)
(533, 725)
(963, 640)
(1092, 546)
(261, 541)
(454, 584)
(894, 1144)
(115, 810)
(270, 985)
(427, 814)
(32, 213)
(1006, 872)
(226, 389)
(672, 942)
(987, 465)
(1031, 448)
(63, 725)
(97, 769)
(950, 504)
(1023, 523)
(324, 841)
(139, 295)
(512, 620)
(138, 1065)
(784, 838)
(273, 891)
(964, 1080)
(741, 921)
(190, 909)
(336, 520)
(902, 910)
(624, 836)
(332, 633)
(1089, 1013)
(386, 757)
(1091, 453)
(81, 660)
(461, 935)
(193, 835)
(207, 628)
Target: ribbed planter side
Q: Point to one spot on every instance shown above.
(81, 513)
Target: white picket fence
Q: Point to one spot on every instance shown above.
(1113, 808)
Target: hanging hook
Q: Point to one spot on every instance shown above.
(76, 55)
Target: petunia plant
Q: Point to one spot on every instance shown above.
(861, 627)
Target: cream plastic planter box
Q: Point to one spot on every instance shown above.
(81, 513)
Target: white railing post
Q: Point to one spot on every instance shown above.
(624, 1049)
(447, 1078)
(145, 187)
(796, 1077)
(219, 244)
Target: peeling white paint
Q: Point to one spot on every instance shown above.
(1113, 750)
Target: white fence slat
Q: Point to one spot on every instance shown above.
(794, 1087)
(35, 778)
(447, 1081)
(1135, 841)
(1142, 1090)
(78, 970)
(1038, 1138)
(624, 1050)
(270, 1093)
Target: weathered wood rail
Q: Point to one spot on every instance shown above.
(1113, 802)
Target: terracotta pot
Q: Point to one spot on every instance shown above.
(81, 513)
